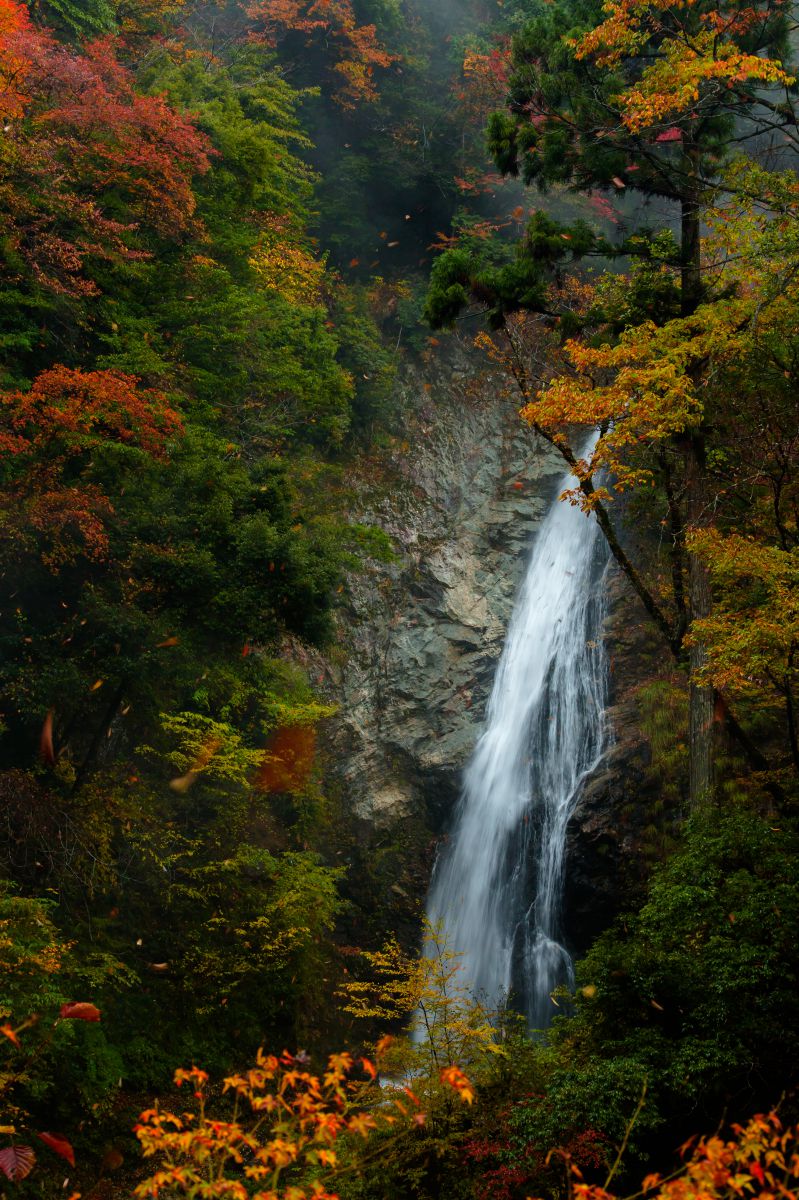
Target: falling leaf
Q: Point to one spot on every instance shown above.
(98, 683)
(46, 751)
(112, 1160)
(655, 1004)
(16, 1162)
(170, 641)
(183, 782)
(79, 1010)
(10, 1033)
(289, 760)
(455, 1078)
(59, 1145)
(619, 182)
(383, 1044)
(369, 1067)
(204, 756)
(355, 262)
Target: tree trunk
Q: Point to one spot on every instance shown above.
(701, 702)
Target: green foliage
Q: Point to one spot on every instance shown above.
(692, 993)
(75, 18)
(503, 281)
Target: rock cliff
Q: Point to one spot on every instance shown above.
(461, 492)
(461, 495)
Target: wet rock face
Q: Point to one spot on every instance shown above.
(620, 817)
(462, 497)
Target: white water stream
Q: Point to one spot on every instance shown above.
(498, 884)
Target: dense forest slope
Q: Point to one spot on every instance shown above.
(263, 519)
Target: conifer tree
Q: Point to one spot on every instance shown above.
(651, 98)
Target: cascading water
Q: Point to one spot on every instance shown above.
(498, 884)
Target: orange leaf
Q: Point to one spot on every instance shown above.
(46, 751)
(8, 1032)
(79, 1010)
(59, 1145)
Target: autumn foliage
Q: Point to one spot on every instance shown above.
(14, 65)
(356, 49)
(49, 433)
(284, 1126)
(79, 131)
(760, 1160)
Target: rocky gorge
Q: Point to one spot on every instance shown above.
(461, 492)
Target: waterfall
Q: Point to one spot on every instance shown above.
(497, 887)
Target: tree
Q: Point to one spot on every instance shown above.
(331, 24)
(647, 100)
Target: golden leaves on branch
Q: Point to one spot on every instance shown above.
(692, 56)
(285, 1118)
(760, 1161)
(282, 265)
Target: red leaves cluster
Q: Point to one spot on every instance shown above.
(115, 137)
(485, 82)
(49, 433)
(79, 1010)
(13, 22)
(357, 49)
(79, 409)
(77, 129)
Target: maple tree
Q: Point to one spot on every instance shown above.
(49, 433)
(285, 1122)
(357, 50)
(87, 160)
(282, 265)
(13, 62)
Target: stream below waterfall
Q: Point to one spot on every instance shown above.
(497, 888)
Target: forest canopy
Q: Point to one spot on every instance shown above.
(228, 232)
